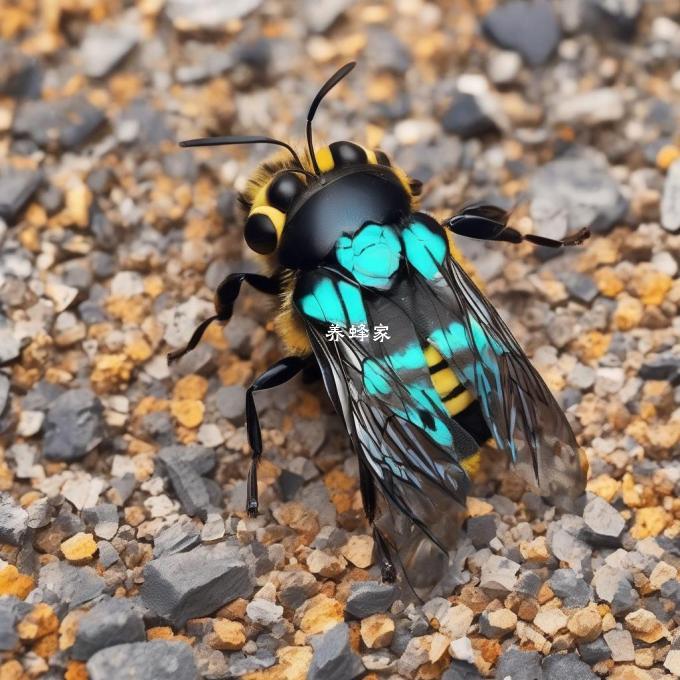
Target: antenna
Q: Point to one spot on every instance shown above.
(242, 139)
(325, 89)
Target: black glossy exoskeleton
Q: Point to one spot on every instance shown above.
(415, 359)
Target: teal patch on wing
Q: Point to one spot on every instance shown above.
(431, 414)
(425, 250)
(334, 302)
(372, 256)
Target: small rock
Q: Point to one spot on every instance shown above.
(211, 576)
(613, 586)
(645, 626)
(79, 548)
(604, 105)
(369, 597)
(328, 566)
(670, 200)
(4, 392)
(359, 551)
(104, 519)
(550, 621)
(115, 621)
(208, 14)
(320, 16)
(498, 623)
(466, 117)
(585, 624)
(333, 658)
(605, 523)
(529, 28)
(264, 612)
(231, 403)
(499, 575)
(73, 586)
(13, 520)
(482, 530)
(296, 588)
(73, 426)
(672, 662)
(503, 67)
(662, 573)
(456, 621)
(154, 660)
(561, 666)
(12, 610)
(377, 631)
(621, 645)
(63, 123)
(519, 665)
(592, 652)
(16, 189)
(415, 655)
(230, 636)
(105, 46)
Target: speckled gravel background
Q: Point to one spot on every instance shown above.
(125, 551)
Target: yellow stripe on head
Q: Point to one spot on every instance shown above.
(261, 196)
(324, 159)
(276, 216)
(370, 156)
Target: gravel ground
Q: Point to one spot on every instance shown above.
(125, 552)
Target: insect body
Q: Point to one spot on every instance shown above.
(347, 249)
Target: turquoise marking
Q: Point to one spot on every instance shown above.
(375, 378)
(410, 358)
(325, 304)
(372, 256)
(424, 250)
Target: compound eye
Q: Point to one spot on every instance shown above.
(260, 234)
(347, 153)
(283, 190)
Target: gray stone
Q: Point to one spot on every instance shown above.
(108, 555)
(664, 366)
(333, 658)
(670, 200)
(620, 643)
(105, 46)
(592, 652)
(461, 670)
(12, 610)
(264, 612)
(499, 575)
(73, 426)
(519, 665)
(529, 28)
(503, 67)
(239, 333)
(112, 622)
(13, 520)
(370, 597)
(466, 117)
(574, 192)
(178, 537)
(231, 403)
(296, 588)
(603, 105)
(605, 524)
(320, 16)
(569, 548)
(16, 189)
(185, 585)
(104, 519)
(74, 586)
(4, 392)
(20, 74)
(613, 585)
(580, 286)
(64, 123)
(482, 530)
(208, 14)
(561, 666)
(386, 52)
(154, 660)
(185, 467)
(9, 346)
(570, 588)
(39, 513)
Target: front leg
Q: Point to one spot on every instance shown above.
(225, 297)
(489, 223)
(282, 371)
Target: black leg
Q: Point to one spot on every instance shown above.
(225, 297)
(368, 497)
(282, 371)
(489, 223)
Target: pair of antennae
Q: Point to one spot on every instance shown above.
(260, 139)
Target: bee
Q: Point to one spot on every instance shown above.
(347, 248)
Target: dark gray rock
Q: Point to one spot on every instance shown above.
(185, 585)
(112, 622)
(20, 74)
(466, 117)
(461, 670)
(12, 610)
(108, 555)
(51, 198)
(574, 192)
(562, 666)
(530, 28)
(605, 525)
(570, 588)
(73, 426)
(660, 367)
(580, 286)
(13, 520)
(370, 597)
(296, 588)
(614, 586)
(73, 586)
(528, 584)
(62, 124)
(333, 657)
(386, 52)
(16, 188)
(178, 537)
(592, 652)
(231, 403)
(481, 530)
(103, 518)
(4, 392)
(155, 660)
(519, 665)
(185, 467)
(239, 334)
(105, 46)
